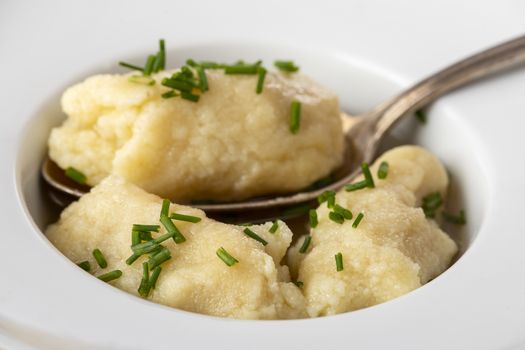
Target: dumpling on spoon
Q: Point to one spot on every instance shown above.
(230, 145)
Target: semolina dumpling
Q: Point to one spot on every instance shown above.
(230, 145)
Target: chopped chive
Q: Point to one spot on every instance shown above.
(135, 237)
(242, 68)
(160, 58)
(99, 257)
(330, 202)
(144, 283)
(148, 67)
(202, 78)
(431, 203)
(336, 217)
(110, 276)
(131, 66)
(306, 244)
(189, 96)
(226, 257)
(76, 175)
(295, 116)
(312, 217)
(163, 255)
(299, 284)
(261, 73)
(146, 228)
(382, 172)
(145, 236)
(357, 220)
(84, 265)
(356, 186)
(368, 176)
(145, 248)
(141, 80)
(186, 72)
(459, 219)
(286, 66)
(177, 84)
(172, 229)
(132, 258)
(421, 116)
(296, 210)
(162, 238)
(165, 208)
(255, 236)
(188, 218)
(325, 196)
(205, 64)
(339, 262)
(154, 277)
(274, 227)
(169, 94)
(347, 214)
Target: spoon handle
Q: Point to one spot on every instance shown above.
(480, 65)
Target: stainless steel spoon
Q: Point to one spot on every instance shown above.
(363, 132)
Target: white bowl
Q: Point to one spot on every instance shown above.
(47, 302)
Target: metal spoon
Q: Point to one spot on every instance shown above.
(363, 133)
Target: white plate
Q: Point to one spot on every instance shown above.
(366, 51)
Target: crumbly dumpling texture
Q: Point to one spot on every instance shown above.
(232, 144)
(394, 249)
(194, 279)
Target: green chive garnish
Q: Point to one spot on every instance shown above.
(148, 67)
(169, 94)
(131, 66)
(76, 175)
(189, 96)
(312, 216)
(431, 203)
(382, 172)
(459, 219)
(347, 214)
(146, 247)
(306, 244)
(356, 186)
(261, 72)
(172, 229)
(326, 196)
(298, 284)
(368, 176)
(110, 276)
(132, 258)
(336, 217)
(286, 66)
(255, 236)
(141, 80)
(145, 236)
(242, 68)
(99, 257)
(160, 58)
(295, 117)
(144, 283)
(135, 237)
(202, 78)
(84, 265)
(188, 218)
(206, 64)
(421, 116)
(274, 227)
(339, 262)
(163, 255)
(154, 277)
(165, 209)
(177, 84)
(357, 220)
(146, 228)
(226, 257)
